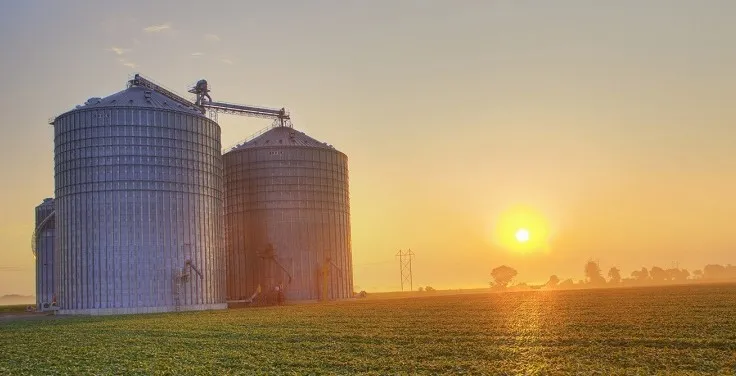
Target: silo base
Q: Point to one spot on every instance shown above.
(139, 310)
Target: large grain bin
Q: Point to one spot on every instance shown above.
(287, 217)
(43, 250)
(139, 206)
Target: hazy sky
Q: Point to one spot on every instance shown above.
(614, 122)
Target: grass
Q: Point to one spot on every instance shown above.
(13, 308)
(678, 330)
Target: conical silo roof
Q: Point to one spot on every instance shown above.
(138, 97)
(282, 136)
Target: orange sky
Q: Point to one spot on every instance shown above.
(614, 122)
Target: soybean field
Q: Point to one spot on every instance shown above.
(674, 330)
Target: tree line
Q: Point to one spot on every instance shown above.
(503, 277)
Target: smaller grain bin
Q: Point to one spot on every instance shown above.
(287, 218)
(42, 244)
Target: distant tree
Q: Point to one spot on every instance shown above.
(566, 284)
(593, 273)
(677, 275)
(503, 275)
(672, 273)
(658, 274)
(712, 271)
(429, 289)
(697, 274)
(553, 282)
(614, 275)
(730, 271)
(421, 289)
(640, 275)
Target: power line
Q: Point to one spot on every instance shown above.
(372, 263)
(405, 267)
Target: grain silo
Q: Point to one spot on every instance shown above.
(43, 249)
(287, 217)
(139, 206)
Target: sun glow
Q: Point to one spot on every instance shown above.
(521, 229)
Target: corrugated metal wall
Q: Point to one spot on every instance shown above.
(138, 191)
(295, 198)
(44, 254)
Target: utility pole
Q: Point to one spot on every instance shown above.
(405, 267)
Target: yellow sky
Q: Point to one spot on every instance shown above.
(614, 122)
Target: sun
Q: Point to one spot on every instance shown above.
(521, 229)
(522, 235)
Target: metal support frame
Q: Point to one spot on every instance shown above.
(325, 273)
(212, 115)
(239, 109)
(405, 258)
(181, 276)
(270, 254)
(141, 81)
(201, 90)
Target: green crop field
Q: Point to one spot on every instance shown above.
(688, 330)
(13, 308)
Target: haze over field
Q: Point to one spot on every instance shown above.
(605, 130)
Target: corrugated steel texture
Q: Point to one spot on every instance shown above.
(287, 217)
(44, 243)
(139, 191)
